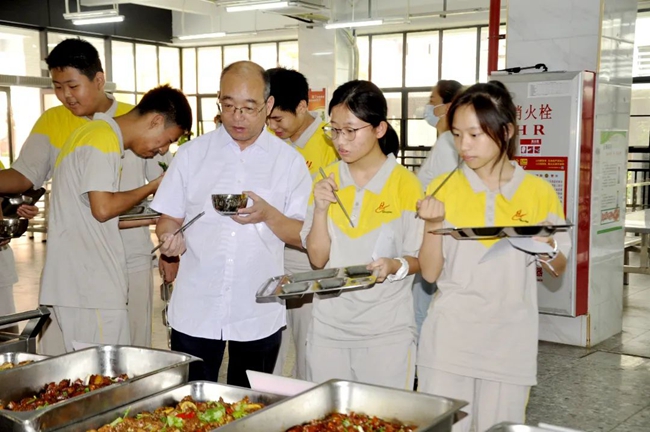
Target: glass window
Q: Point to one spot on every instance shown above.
(642, 46)
(49, 100)
(123, 65)
(363, 45)
(20, 52)
(265, 55)
(289, 55)
(418, 131)
(394, 102)
(146, 67)
(53, 39)
(387, 60)
(209, 69)
(640, 116)
(192, 101)
(459, 55)
(422, 59)
(483, 70)
(170, 66)
(208, 113)
(125, 97)
(189, 70)
(234, 53)
(25, 109)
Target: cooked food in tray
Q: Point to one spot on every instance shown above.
(11, 365)
(187, 416)
(53, 393)
(336, 422)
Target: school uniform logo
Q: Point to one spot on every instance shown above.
(383, 208)
(519, 216)
(309, 164)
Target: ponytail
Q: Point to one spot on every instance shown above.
(389, 143)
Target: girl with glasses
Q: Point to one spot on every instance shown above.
(365, 335)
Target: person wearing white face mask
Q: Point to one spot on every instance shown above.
(442, 158)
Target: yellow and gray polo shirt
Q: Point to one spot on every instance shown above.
(49, 134)
(85, 266)
(385, 226)
(483, 322)
(315, 147)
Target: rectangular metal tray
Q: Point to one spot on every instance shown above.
(140, 211)
(17, 357)
(317, 281)
(201, 391)
(150, 371)
(429, 413)
(482, 233)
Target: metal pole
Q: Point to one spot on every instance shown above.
(493, 35)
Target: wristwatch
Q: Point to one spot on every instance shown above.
(401, 273)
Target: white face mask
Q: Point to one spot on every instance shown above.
(429, 116)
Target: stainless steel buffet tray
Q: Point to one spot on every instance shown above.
(429, 413)
(480, 233)
(18, 357)
(201, 391)
(150, 371)
(512, 427)
(325, 281)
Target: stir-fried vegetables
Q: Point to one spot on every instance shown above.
(352, 422)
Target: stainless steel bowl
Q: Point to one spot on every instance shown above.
(12, 228)
(228, 204)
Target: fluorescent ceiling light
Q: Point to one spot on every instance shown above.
(202, 36)
(258, 6)
(98, 20)
(322, 53)
(348, 24)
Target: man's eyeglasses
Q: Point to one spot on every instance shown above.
(347, 133)
(228, 108)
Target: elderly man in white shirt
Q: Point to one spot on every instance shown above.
(226, 259)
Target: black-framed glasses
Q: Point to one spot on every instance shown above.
(228, 108)
(347, 133)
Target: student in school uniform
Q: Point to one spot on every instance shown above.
(78, 80)
(365, 335)
(292, 122)
(479, 340)
(442, 158)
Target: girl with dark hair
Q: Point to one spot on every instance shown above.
(479, 340)
(366, 335)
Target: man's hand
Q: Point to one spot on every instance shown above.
(260, 211)
(172, 245)
(27, 211)
(168, 267)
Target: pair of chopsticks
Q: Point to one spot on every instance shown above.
(322, 173)
(181, 229)
(433, 194)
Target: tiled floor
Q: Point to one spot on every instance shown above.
(605, 388)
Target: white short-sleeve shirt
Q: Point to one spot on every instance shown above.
(225, 262)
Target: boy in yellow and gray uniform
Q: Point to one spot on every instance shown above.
(79, 84)
(377, 323)
(291, 121)
(85, 274)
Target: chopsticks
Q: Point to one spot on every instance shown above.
(181, 229)
(322, 173)
(433, 194)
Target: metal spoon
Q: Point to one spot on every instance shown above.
(322, 173)
(181, 229)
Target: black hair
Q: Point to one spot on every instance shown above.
(78, 54)
(448, 90)
(170, 103)
(288, 88)
(496, 113)
(367, 102)
(245, 64)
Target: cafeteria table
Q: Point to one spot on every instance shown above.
(638, 222)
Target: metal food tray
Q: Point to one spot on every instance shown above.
(327, 281)
(512, 427)
(150, 371)
(140, 211)
(17, 357)
(482, 233)
(429, 413)
(201, 391)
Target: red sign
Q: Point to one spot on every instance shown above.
(317, 100)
